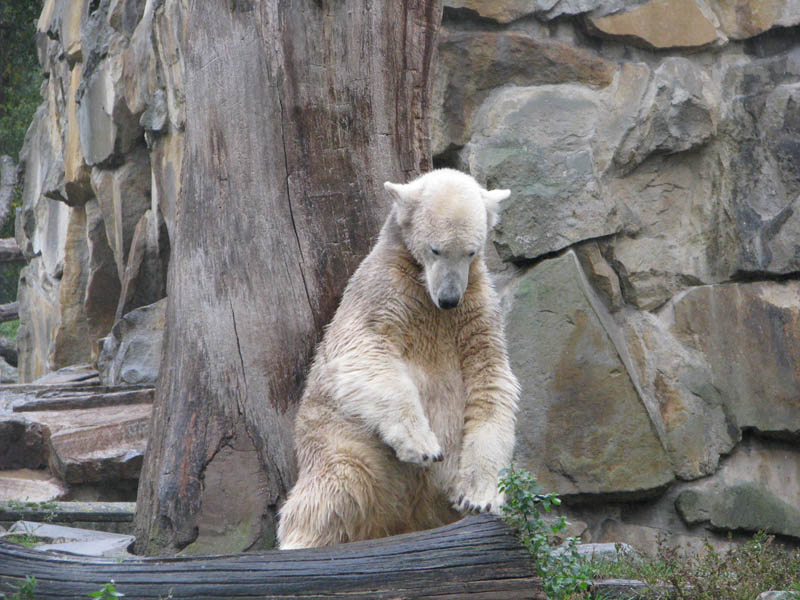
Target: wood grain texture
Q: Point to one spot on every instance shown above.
(478, 557)
(297, 112)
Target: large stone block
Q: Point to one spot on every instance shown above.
(108, 129)
(675, 215)
(762, 154)
(124, 196)
(473, 63)
(145, 279)
(659, 24)
(131, 353)
(76, 172)
(70, 344)
(677, 383)
(582, 427)
(750, 336)
(21, 443)
(30, 485)
(755, 490)
(679, 112)
(538, 142)
(100, 444)
(740, 19)
(506, 11)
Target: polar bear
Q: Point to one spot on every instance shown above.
(408, 412)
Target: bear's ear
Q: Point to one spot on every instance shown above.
(492, 200)
(403, 196)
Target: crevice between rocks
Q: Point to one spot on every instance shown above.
(743, 276)
(469, 19)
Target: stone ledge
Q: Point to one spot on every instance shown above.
(114, 517)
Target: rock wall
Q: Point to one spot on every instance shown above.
(101, 166)
(648, 258)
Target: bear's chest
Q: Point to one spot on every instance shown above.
(432, 355)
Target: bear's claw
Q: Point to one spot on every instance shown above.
(478, 499)
(415, 445)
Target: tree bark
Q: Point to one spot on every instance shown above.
(297, 113)
(477, 557)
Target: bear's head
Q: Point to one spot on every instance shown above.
(444, 218)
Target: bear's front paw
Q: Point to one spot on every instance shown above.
(418, 446)
(478, 496)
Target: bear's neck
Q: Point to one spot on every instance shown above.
(391, 239)
(391, 236)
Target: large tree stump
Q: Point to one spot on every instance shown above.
(478, 557)
(297, 113)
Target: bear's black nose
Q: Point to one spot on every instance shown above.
(448, 302)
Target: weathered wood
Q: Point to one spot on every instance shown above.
(9, 312)
(100, 515)
(10, 252)
(299, 111)
(8, 350)
(68, 400)
(478, 557)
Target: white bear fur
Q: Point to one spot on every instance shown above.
(408, 412)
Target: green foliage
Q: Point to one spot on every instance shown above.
(25, 591)
(23, 539)
(9, 328)
(20, 81)
(741, 573)
(564, 573)
(107, 592)
(20, 74)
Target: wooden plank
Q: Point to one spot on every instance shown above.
(68, 512)
(477, 557)
(101, 399)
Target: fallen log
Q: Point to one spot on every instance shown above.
(477, 557)
(9, 312)
(10, 251)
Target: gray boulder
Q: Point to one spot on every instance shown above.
(131, 353)
(582, 427)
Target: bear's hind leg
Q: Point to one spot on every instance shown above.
(342, 500)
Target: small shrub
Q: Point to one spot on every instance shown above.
(564, 573)
(741, 573)
(107, 592)
(25, 591)
(9, 328)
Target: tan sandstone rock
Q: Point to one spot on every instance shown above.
(659, 24)
(741, 19)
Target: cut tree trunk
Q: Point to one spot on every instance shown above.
(298, 112)
(477, 557)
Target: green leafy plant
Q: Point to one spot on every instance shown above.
(107, 592)
(564, 573)
(9, 329)
(23, 539)
(25, 591)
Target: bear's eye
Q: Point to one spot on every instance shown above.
(472, 253)
(436, 251)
